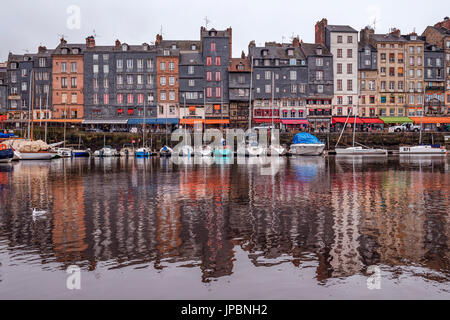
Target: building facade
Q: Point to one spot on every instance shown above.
(434, 77)
(239, 75)
(68, 82)
(414, 75)
(367, 75)
(168, 83)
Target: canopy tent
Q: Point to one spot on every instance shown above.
(351, 120)
(105, 121)
(372, 121)
(392, 120)
(267, 120)
(217, 121)
(191, 121)
(154, 121)
(303, 137)
(435, 120)
(295, 121)
(59, 120)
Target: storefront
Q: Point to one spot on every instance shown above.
(296, 125)
(432, 123)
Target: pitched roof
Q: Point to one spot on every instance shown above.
(340, 28)
(275, 52)
(309, 49)
(387, 38)
(235, 62)
(191, 58)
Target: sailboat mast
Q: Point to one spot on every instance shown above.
(29, 113)
(32, 103)
(143, 128)
(46, 116)
(250, 97)
(421, 119)
(356, 113)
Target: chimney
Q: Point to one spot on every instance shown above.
(63, 41)
(230, 33)
(117, 44)
(365, 33)
(243, 55)
(90, 42)
(159, 39)
(320, 31)
(395, 32)
(296, 42)
(42, 49)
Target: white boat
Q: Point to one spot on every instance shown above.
(305, 144)
(356, 151)
(44, 155)
(127, 151)
(186, 151)
(254, 150)
(17, 156)
(203, 151)
(105, 152)
(277, 150)
(143, 153)
(422, 150)
(64, 152)
(305, 149)
(165, 151)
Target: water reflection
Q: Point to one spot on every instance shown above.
(342, 215)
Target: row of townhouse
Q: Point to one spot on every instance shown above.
(180, 82)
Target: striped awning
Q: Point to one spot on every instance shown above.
(435, 120)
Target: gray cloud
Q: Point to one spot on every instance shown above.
(27, 24)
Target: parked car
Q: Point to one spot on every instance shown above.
(405, 127)
(264, 126)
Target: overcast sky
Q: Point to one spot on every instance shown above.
(27, 24)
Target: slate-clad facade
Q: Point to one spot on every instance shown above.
(239, 75)
(367, 75)
(3, 88)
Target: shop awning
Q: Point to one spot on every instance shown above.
(396, 120)
(191, 121)
(217, 121)
(154, 121)
(105, 121)
(372, 121)
(295, 121)
(436, 120)
(267, 120)
(350, 120)
(58, 120)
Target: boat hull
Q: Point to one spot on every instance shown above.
(361, 152)
(307, 149)
(222, 153)
(81, 154)
(37, 155)
(6, 155)
(422, 150)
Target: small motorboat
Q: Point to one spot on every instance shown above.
(165, 151)
(6, 155)
(431, 150)
(360, 151)
(143, 153)
(203, 151)
(41, 155)
(81, 153)
(64, 152)
(127, 150)
(106, 152)
(305, 144)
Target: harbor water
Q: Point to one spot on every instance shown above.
(317, 228)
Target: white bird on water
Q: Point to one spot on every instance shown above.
(38, 214)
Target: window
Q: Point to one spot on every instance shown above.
(140, 79)
(119, 80)
(120, 98)
(241, 79)
(320, 88)
(349, 85)
(105, 57)
(400, 85)
(150, 79)
(349, 68)
(339, 53)
(64, 98)
(267, 88)
(339, 85)
(162, 66)
(42, 62)
(191, 83)
(74, 98)
(209, 76)
(95, 98)
(119, 65)
(172, 81)
(129, 79)
(349, 53)
(383, 85)
(293, 88)
(319, 62)
(63, 83)
(340, 100)
(171, 66)
(218, 76)
(411, 49)
(150, 64)
(218, 61)
(73, 67)
(63, 67)
(339, 39)
(213, 46)
(171, 95)
(293, 75)
(106, 69)
(191, 70)
(140, 64)
(218, 93)
(95, 68)
(292, 62)
(349, 39)
(319, 75)
(339, 68)
(24, 86)
(363, 85)
(349, 100)
(95, 83)
(130, 98)
(209, 92)
(208, 61)
(74, 82)
(267, 75)
(162, 81)
(130, 64)
(106, 99)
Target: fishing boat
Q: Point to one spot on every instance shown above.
(6, 154)
(424, 149)
(305, 144)
(143, 153)
(165, 151)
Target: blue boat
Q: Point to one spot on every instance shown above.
(81, 154)
(142, 153)
(6, 155)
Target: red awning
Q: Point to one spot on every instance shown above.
(267, 120)
(372, 121)
(295, 121)
(351, 120)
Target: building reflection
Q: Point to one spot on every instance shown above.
(340, 216)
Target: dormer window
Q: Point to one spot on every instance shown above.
(124, 47)
(212, 33)
(145, 47)
(166, 52)
(240, 67)
(413, 37)
(319, 51)
(290, 52)
(264, 52)
(64, 51)
(277, 62)
(174, 46)
(75, 51)
(193, 47)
